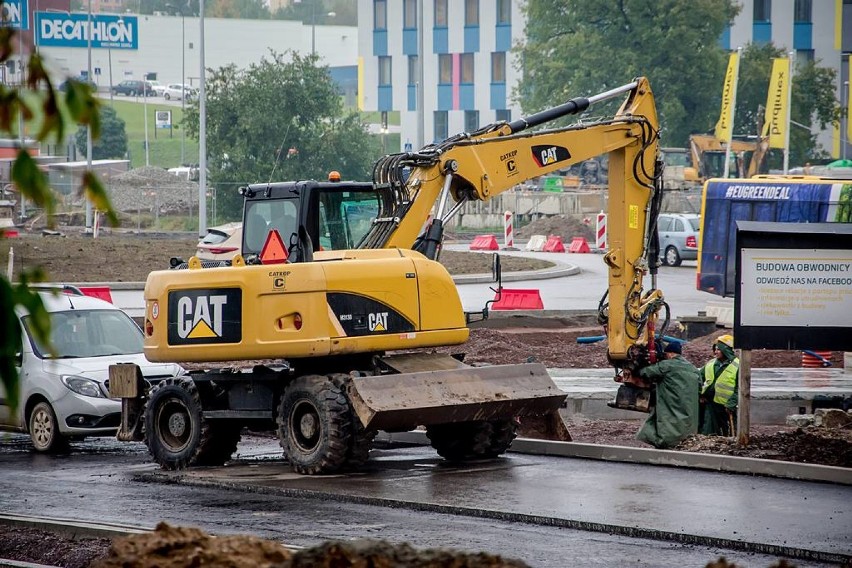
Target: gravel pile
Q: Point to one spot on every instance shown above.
(146, 188)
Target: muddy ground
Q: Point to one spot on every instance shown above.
(128, 258)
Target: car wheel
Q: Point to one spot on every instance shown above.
(167, 97)
(672, 257)
(44, 430)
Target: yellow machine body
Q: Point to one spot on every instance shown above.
(344, 302)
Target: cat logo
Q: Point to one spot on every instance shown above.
(547, 155)
(377, 322)
(204, 316)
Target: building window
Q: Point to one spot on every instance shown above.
(380, 14)
(467, 68)
(384, 70)
(803, 11)
(471, 120)
(762, 10)
(504, 12)
(413, 71)
(409, 14)
(471, 12)
(804, 56)
(498, 67)
(445, 69)
(442, 125)
(440, 13)
(503, 115)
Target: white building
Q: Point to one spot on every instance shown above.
(170, 47)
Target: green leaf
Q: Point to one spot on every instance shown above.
(95, 192)
(32, 182)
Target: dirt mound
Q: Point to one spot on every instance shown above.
(174, 547)
(804, 445)
(148, 188)
(564, 226)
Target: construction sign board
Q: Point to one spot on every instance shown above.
(794, 286)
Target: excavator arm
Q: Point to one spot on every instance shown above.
(436, 181)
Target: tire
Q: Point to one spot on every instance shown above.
(315, 425)
(671, 256)
(44, 430)
(175, 432)
(219, 441)
(472, 440)
(362, 439)
(167, 97)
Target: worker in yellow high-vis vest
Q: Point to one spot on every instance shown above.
(719, 391)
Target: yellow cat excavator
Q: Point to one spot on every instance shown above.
(338, 283)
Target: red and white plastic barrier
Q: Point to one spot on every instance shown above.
(600, 232)
(508, 230)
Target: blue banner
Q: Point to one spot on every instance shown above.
(14, 14)
(69, 30)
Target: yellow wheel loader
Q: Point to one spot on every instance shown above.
(339, 285)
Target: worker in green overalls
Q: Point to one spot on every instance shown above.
(719, 391)
(675, 412)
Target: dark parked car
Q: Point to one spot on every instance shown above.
(132, 88)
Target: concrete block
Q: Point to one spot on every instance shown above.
(800, 420)
(831, 418)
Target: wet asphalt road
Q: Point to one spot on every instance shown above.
(94, 483)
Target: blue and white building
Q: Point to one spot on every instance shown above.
(467, 74)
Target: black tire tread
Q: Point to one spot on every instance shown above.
(336, 439)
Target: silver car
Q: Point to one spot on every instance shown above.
(64, 394)
(678, 237)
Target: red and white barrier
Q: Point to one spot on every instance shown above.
(600, 232)
(508, 230)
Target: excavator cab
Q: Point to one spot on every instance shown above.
(309, 216)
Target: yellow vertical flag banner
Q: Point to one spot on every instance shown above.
(775, 123)
(725, 126)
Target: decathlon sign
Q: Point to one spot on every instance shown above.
(14, 14)
(71, 30)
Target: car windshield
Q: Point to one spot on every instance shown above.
(89, 333)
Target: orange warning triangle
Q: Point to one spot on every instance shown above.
(274, 251)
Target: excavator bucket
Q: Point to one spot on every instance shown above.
(432, 389)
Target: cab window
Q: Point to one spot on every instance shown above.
(345, 218)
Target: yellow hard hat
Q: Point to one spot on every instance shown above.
(726, 339)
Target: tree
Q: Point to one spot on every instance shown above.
(814, 104)
(580, 48)
(31, 182)
(247, 9)
(113, 139)
(279, 119)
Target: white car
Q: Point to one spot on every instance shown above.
(176, 91)
(64, 395)
(221, 243)
(156, 89)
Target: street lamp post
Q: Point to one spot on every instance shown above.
(314, 26)
(202, 132)
(145, 108)
(89, 126)
(182, 82)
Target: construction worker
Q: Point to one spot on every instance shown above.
(674, 416)
(719, 391)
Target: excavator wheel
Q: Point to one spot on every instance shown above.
(362, 439)
(472, 440)
(176, 433)
(315, 425)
